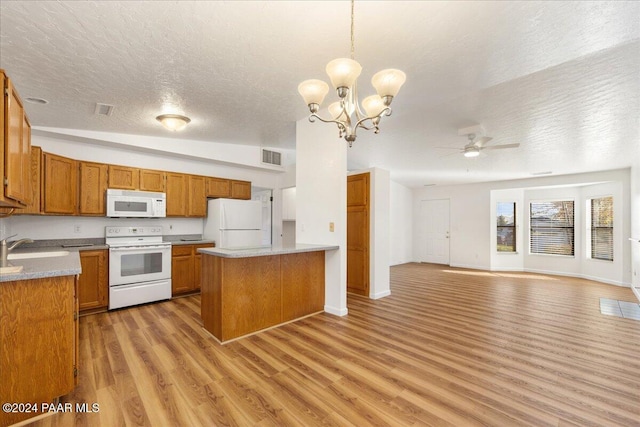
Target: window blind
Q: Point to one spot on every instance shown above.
(552, 227)
(602, 228)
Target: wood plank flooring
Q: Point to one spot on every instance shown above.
(449, 347)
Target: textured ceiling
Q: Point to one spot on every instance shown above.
(560, 78)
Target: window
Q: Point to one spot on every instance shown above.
(506, 221)
(552, 230)
(602, 228)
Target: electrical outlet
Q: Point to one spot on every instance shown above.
(76, 228)
(331, 227)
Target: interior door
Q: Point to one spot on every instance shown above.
(434, 215)
(358, 206)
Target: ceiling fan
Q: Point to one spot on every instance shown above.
(475, 146)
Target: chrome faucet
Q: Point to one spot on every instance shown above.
(5, 249)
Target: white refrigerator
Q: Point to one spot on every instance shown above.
(233, 223)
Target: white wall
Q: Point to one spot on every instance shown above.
(473, 223)
(60, 227)
(321, 198)
(635, 225)
(401, 221)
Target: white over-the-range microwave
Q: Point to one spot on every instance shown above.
(136, 204)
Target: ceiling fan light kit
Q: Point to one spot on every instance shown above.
(346, 113)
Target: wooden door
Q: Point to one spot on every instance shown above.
(197, 196)
(177, 189)
(93, 186)
(14, 151)
(434, 218)
(93, 284)
(218, 187)
(151, 180)
(358, 206)
(60, 184)
(123, 177)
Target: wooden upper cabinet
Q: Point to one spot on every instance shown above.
(60, 181)
(33, 207)
(16, 148)
(124, 178)
(241, 190)
(197, 196)
(218, 187)
(151, 180)
(93, 186)
(177, 188)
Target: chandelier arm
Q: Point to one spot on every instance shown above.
(386, 112)
(315, 116)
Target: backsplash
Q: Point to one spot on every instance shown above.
(74, 227)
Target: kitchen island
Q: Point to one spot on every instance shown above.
(251, 289)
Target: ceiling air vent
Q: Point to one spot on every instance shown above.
(271, 157)
(104, 109)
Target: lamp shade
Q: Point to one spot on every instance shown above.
(373, 105)
(335, 109)
(313, 91)
(388, 82)
(343, 72)
(173, 122)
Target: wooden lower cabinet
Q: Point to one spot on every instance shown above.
(93, 283)
(186, 268)
(38, 342)
(244, 295)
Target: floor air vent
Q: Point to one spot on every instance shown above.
(271, 157)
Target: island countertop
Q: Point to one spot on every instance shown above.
(266, 250)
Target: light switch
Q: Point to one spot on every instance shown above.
(331, 227)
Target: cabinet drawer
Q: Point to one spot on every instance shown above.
(181, 250)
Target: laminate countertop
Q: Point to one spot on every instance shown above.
(266, 250)
(67, 264)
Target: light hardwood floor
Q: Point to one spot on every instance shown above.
(448, 347)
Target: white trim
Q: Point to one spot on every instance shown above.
(336, 311)
(381, 294)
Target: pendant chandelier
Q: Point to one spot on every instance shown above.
(346, 113)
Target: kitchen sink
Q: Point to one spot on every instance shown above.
(28, 255)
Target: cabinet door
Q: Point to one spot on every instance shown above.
(93, 186)
(60, 184)
(152, 180)
(35, 174)
(241, 190)
(181, 269)
(218, 187)
(197, 197)
(93, 283)
(13, 146)
(26, 160)
(197, 266)
(123, 177)
(177, 191)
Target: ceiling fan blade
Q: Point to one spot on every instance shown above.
(496, 147)
(480, 142)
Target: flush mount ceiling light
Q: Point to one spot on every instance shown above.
(346, 113)
(173, 122)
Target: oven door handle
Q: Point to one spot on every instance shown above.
(138, 248)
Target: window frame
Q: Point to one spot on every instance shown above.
(513, 227)
(591, 228)
(572, 227)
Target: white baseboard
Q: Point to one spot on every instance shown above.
(636, 290)
(336, 311)
(381, 294)
(579, 276)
